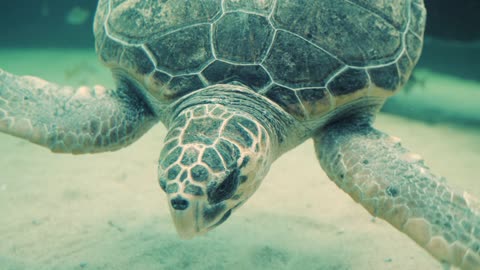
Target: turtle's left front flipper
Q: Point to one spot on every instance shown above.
(69, 120)
(394, 184)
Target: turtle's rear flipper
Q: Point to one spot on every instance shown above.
(394, 184)
(64, 119)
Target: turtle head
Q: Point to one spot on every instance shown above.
(213, 160)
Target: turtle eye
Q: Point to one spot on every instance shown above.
(225, 190)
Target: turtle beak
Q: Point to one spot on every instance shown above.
(196, 217)
(185, 219)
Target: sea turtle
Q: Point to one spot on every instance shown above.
(239, 83)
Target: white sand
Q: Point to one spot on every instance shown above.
(106, 211)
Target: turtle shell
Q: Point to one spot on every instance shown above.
(309, 57)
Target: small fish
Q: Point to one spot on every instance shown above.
(45, 9)
(77, 16)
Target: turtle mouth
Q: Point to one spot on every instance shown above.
(225, 216)
(221, 220)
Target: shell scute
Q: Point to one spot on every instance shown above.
(254, 32)
(184, 51)
(295, 63)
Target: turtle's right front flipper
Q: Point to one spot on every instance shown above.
(69, 120)
(394, 184)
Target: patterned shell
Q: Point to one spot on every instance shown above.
(307, 56)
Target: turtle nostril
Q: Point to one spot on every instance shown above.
(179, 203)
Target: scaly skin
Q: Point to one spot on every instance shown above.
(394, 184)
(215, 156)
(69, 120)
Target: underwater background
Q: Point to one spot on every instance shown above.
(106, 211)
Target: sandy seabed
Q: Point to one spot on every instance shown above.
(106, 211)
